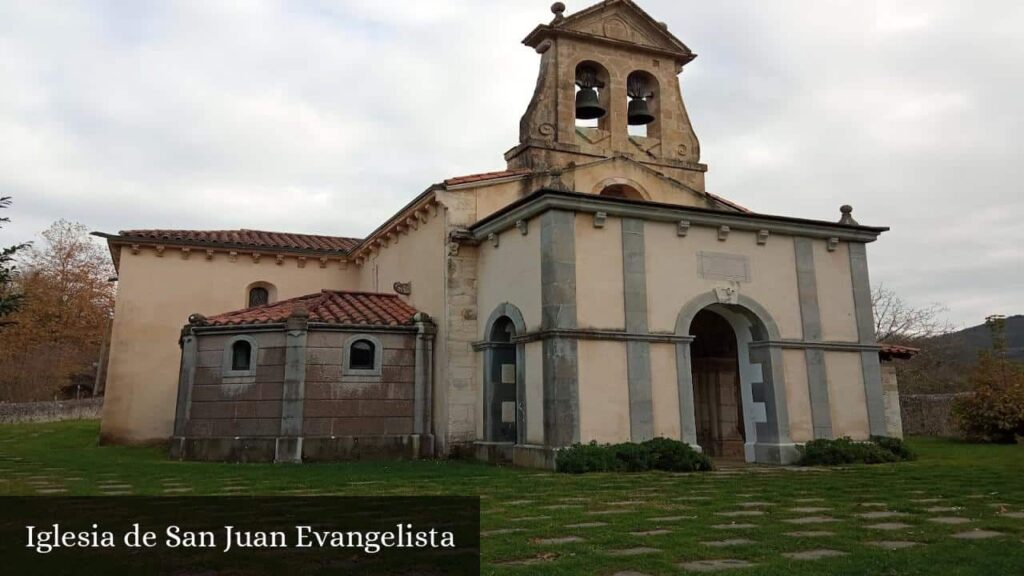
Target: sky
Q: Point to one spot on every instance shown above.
(326, 117)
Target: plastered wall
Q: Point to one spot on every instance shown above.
(155, 296)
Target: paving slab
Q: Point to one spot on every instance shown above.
(888, 526)
(637, 551)
(728, 542)
(893, 544)
(881, 514)
(560, 507)
(587, 525)
(658, 532)
(558, 540)
(500, 531)
(1017, 515)
(528, 518)
(814, 554)
(671, 518)
(935, 509)
(734, 526)
(873, 504)
(606, 512)
(926, 500)
(809, 499)
(809, 509)
(977, 535)
(950, 520)
(734, 513)
(810, 520)
(756, 504)
(715, 565)
(810, 533)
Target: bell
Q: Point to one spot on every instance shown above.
(587, 105)
(639, 114)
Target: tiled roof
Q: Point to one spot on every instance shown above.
(730, 203)
(243, 237)
(890, 351)
(328, 306)
(485, 176)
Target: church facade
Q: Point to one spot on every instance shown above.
(591, 291)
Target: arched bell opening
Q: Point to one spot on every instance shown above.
(643, 105)
(622, 191)
(592, 95)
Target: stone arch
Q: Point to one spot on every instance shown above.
(625, 184)
(495, 354)
(762, 378)
(653, 87)
(227, 370)
(604, 92)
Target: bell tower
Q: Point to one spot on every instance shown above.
(608, 86)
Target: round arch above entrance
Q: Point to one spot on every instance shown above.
(761, 376)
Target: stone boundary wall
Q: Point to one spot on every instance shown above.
(16, 413)
(928, 415)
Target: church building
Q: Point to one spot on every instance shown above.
(593, 290)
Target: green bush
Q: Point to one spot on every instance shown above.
(656, 454)
(844, 450)
(675, 456)
(896, 446)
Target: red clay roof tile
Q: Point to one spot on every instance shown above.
(244, 237)
(485, 176)
(328, 306)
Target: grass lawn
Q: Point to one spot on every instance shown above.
(603, 524)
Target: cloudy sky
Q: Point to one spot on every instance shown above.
(325, 117)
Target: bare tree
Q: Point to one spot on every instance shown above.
(898, 322)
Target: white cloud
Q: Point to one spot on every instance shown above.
(326, 116)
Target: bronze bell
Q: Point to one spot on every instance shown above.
(588, 106)
(639, 114)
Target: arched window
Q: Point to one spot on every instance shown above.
(362, 355)
(241, 355)
(622, 191)
(258, 296)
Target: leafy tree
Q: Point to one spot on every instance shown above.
(10, 298)
(994, 410)
(63, 318)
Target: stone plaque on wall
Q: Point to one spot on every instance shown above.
(721, 266)
(508, 373)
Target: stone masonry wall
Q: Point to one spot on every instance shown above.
(242, 405)
(928, 415)
(337, 404)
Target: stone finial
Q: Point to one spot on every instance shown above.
(558, 9)
(197, 319)
(847, 215)
(300, 311)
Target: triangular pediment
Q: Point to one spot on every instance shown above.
(622, 21)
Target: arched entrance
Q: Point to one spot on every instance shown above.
(504, 384)
(501, 382)
(717, 397)
(749, 351)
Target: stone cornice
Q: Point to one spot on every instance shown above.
(319, 326)
(545, 199)
(589, 334)
(829, 345)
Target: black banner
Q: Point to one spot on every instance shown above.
(240, 535)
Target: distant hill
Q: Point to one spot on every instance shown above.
(970, 341)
